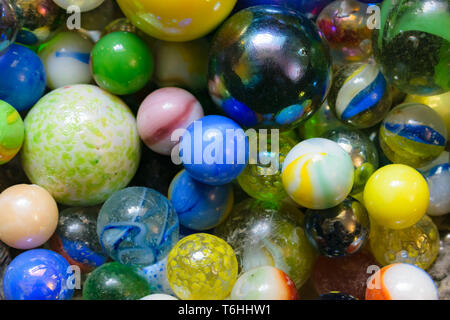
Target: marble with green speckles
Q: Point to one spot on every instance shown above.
(81, 144)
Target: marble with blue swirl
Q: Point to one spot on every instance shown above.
(66, 59)
(137, 226)
(360, 95)
(413, 134)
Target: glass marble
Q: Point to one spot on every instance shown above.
(162, 113)
(269, 67)
(29, 216)
(202, 266)
(156, 275)
(413, 134)
(121, 63)
(269, 234)
(438, 103)
(23, 77)
(66, 59)
(76, 238)
(346, 274)
(39, 20)
(264, 283)
(412, 45)
(52, 282)
(345, 25)
(5, 259)
(81, 163)
(362, 151)
(181, 64)
(84, 5)
(214, 150)
(339, 231)
(12, 132)
(360, 96)
(115, 281)
(310, 8)
(95, 21)
(174, 20)
(261, 178)
(200, 206)
(317, 173)
(9, 25)
(401, 281)
(137, 226)
(321, 121)
(438, 179)
(396, 196)
(418, 244)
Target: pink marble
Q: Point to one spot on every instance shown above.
(164, 111)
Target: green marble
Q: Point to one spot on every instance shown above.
(11, 132)
(121, 63)
(115, 281)
(413, 45)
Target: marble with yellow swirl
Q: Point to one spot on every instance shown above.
(317, 173)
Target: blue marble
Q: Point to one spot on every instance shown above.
(137, 226)
(311, 8)
(214, 150)
(200, 206)
(76, 238)
(23, 78)
(38, 274)
(367, 98)
(417, 133)
(80, 251)
(27, 37)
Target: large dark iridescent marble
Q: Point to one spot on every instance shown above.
(269, 67)
(338, 231)
(413, 45)
(310, 8)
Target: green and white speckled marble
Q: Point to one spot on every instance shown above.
(81, 144)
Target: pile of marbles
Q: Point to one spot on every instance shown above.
(120, 180)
